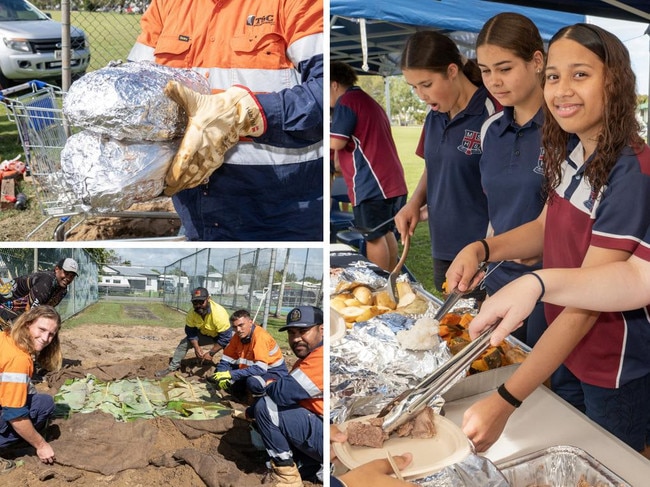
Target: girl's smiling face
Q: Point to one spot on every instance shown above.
(43, 330)
(574, 89)
(433, 88)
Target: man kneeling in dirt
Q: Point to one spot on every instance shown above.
(207, 323)
(290, 416)
(23, 412)
(251, 360)
(38, 288)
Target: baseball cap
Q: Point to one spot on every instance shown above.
(303, 317)
(200, 294)
(68, 265)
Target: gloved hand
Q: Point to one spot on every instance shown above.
(215, 124)
(223, 379)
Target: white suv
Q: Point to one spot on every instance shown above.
(30, 45)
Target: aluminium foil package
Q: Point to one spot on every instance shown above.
(108, 175)
(130, 133)
(127, 101)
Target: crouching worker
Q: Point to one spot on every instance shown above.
(207, 323)
(251, 360)
(23, 412)
(290, 417)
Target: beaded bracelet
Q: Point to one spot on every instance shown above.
(509, 398)
(541, 283)
(486, 247)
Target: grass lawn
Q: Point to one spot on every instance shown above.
(419, 260)
(106, 312)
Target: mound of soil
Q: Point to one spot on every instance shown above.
(94, 449)
(125, 226)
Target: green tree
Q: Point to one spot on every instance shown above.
(103, 255)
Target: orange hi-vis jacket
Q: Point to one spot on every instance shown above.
(16, 368)
(260, 356)
(304, 384)
(270, 187)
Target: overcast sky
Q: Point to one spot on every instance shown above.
(638, 44)
(164, 256)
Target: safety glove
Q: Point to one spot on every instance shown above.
(216, 122)
(222, 379)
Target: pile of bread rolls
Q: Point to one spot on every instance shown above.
(358, 303)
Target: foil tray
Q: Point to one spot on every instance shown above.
(559, 466)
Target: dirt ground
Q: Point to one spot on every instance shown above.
(16, 224)
(179, 453)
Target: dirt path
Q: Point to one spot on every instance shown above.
(179, 449)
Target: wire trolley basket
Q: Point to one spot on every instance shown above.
(37, 110)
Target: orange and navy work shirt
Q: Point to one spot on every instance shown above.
(270, 187)
(304, 384)
(258, 356)
(16, 368)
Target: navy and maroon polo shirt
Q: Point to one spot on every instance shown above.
(458, 211)
(369, 163)
(615, 351)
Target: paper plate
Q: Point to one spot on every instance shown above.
(430, 455)
(337, 326)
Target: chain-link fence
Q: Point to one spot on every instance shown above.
(111, 27)
(264, 281)
(81, 293)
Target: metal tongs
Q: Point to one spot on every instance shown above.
(410, 402)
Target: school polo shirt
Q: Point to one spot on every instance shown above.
(615, 351)
(512, 175)
(643, 250)
(369, 162)
(458, 212)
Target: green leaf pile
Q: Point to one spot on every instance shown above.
(130, 399)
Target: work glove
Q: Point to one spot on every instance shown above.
(216, 122)
(223, 379)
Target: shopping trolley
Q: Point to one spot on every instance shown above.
(36, 108)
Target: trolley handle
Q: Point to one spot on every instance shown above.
(33, 85)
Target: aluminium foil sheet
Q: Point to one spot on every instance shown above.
(559, 466)
(109, 175)
(127, 101)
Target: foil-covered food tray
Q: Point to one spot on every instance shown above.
(559, 466)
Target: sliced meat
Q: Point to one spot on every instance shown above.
(361, 433)
(423, 425)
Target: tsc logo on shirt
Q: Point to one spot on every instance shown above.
(471, 143)
(264, 19)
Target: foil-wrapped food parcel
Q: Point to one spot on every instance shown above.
(127, 101)
(131, 132)
(388, 348)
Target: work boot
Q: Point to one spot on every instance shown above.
(164, 372)
(285, 476)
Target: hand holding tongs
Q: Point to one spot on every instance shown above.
(455, 295)
(408, 404)
(411, 401)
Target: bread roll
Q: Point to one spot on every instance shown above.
(363, 295)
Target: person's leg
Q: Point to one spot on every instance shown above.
(624, 412)
(179, 354)
(41, 407)
(378, 253)
(380, 249)
(285, 429)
